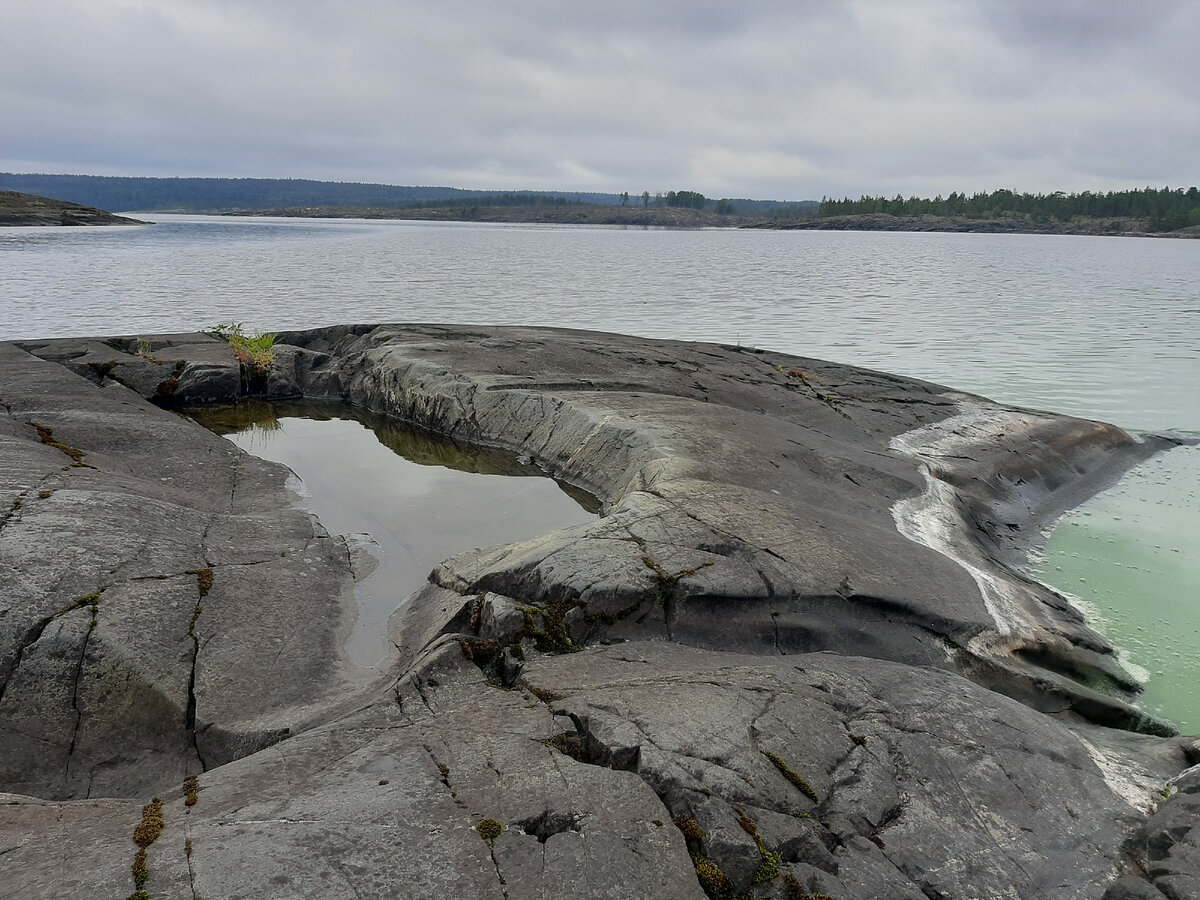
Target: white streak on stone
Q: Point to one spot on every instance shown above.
(934, 520)
(1124, 779)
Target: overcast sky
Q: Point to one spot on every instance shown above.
(779, 99)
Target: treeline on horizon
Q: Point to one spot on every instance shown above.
(1164, 209)
(519, 199)
(120, 193)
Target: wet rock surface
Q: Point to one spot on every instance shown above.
(795, 657)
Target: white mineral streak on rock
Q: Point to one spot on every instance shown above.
(933, 519)
(1124, 778)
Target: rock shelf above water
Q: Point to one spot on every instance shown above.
(26, 209)
(795, 656)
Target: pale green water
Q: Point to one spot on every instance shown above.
(1130, 557)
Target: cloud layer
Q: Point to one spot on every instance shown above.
(786, 99)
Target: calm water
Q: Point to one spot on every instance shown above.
(1105, 328)
(407, 498)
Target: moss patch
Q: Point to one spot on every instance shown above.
(544, 695)
(151, 826)
(104, 368)
(711, 878)
(489, 830)
(793, 890)
(572, 745)
(191, 790)
(46, 436)
(829, 400)
(204, 579)
(689, 828)
(769, 869)
(795, 778)
(146, 833)
(548, 629)
(665, 593)
(92, 600)
(480, 651)
(141, 872)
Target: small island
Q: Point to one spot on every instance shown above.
(26, 209)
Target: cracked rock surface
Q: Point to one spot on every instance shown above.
(795, 657)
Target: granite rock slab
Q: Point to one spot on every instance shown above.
(797, 654)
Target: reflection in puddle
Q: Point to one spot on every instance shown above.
(420, 497)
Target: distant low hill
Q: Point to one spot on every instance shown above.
(27, 209)
(545, 213)
(229, 194)
(212, 195)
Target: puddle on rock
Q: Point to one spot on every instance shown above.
(414, 497)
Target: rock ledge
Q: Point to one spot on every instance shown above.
(795, 657)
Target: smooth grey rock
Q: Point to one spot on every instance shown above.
(1167, 845)
(1131, 888)
(209, 382)
(725, 840)
(500, 620)
(107, 703)
(760, 626)
(922, 777)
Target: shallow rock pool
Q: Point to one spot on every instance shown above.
(407, 497)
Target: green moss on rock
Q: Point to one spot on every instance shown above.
(489, 830)
(792, 776)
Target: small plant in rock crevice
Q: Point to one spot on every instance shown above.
(46, 436)
(145, 351)
(489, 830)
(191, 790)
(794, 777)
(145, 834)
(714, 882)
(256, 351)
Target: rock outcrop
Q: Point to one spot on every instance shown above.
(795, 657)
(26, 209)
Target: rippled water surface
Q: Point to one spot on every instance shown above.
(1105, 328)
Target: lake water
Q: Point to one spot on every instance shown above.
(1105, 328)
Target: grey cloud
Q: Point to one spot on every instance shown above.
(780, 99)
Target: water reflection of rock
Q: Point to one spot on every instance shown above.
(411, 441)
(356, 473)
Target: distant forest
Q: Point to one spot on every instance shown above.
(1160, 210)
(118, 193)
(1165, 209)
(223, 194)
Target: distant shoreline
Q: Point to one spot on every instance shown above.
(571, 214)
(668, 217)
(962, 225)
